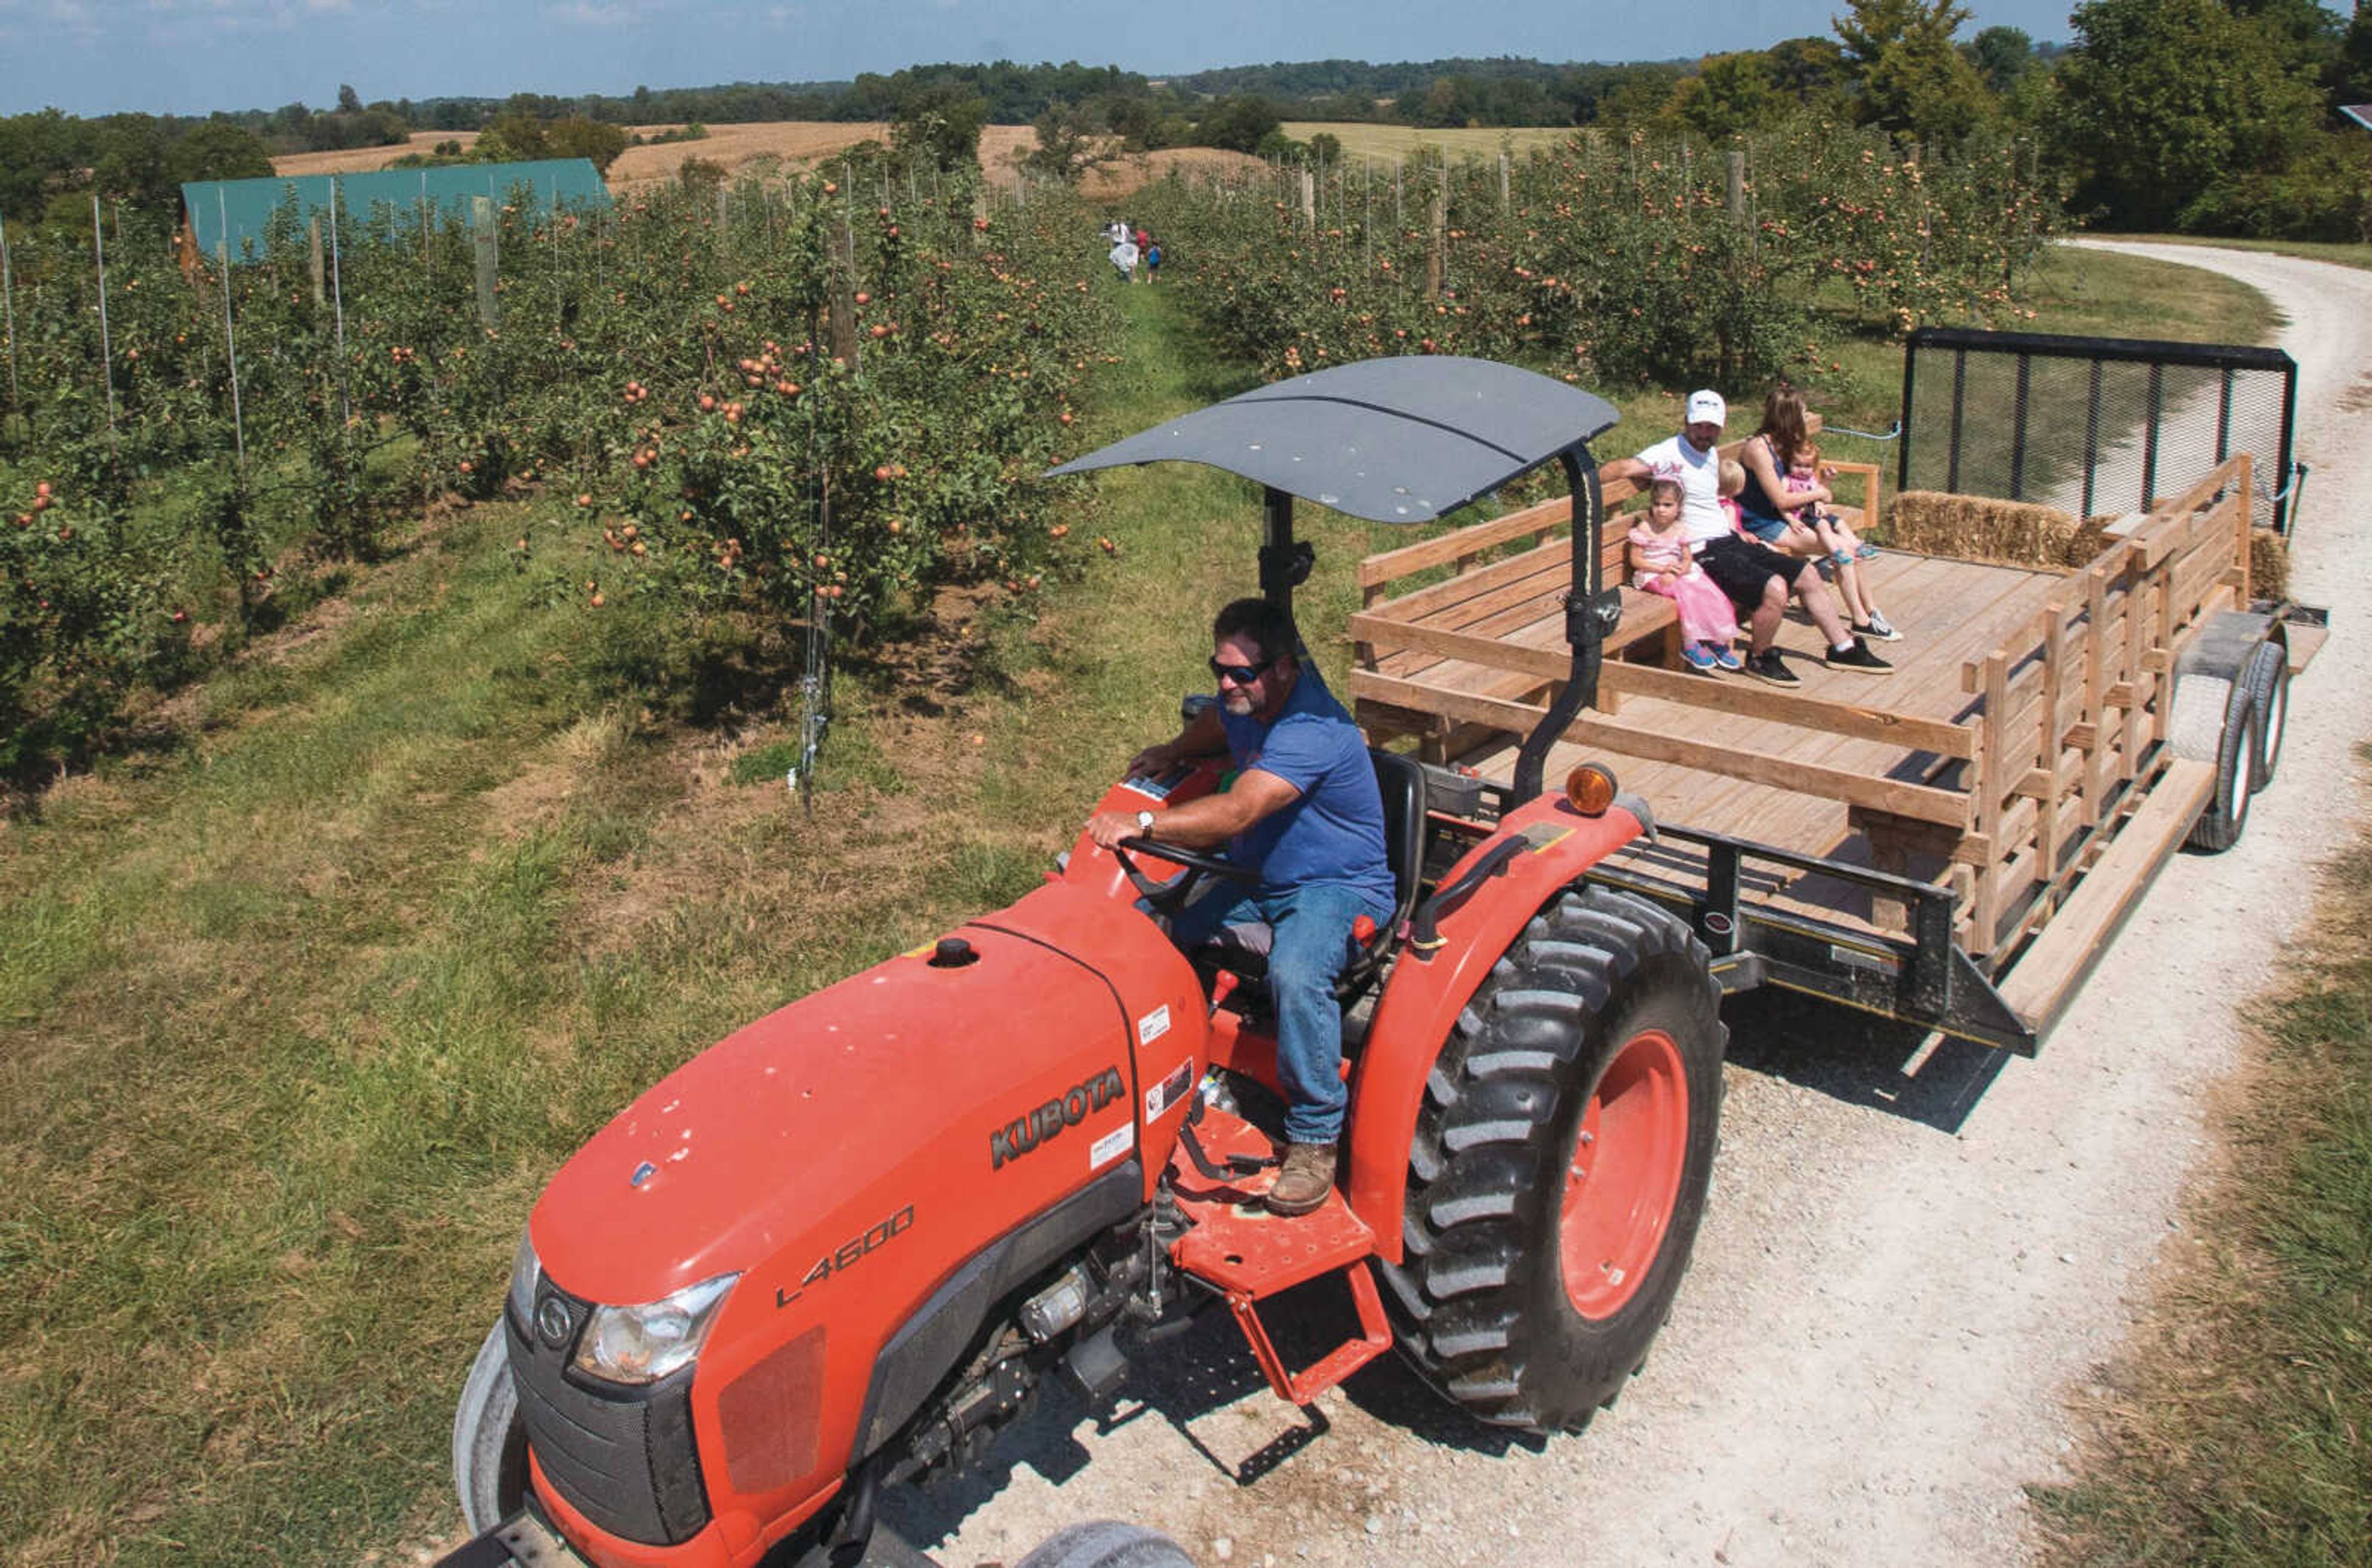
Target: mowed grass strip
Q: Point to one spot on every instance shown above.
(2236, 1429)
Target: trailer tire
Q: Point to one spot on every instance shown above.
(2219, 826)
(1534, 1281)
(2266, 679)
(489, 1438)
(1106, 1543)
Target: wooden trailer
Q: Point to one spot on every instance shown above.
(1952, 843)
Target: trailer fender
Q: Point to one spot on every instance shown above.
(2207, 679)
(1540, 848)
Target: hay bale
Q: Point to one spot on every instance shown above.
(1979, 527)
(2269, 564)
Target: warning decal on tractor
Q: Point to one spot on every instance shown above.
(1168, 1092)
(1153, 1025)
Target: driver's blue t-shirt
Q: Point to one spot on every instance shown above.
(1334, 831)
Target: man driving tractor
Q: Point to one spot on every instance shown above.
(1304, 810)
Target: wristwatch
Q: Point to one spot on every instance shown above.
(1145, 821)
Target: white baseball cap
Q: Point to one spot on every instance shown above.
(1706, 408)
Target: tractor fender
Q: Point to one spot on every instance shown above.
(1427, 990)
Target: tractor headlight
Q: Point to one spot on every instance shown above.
(525, 1272)
(643, 1344)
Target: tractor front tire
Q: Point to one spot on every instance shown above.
(1106, 1543)
(490, 1439)
(1561, 1163)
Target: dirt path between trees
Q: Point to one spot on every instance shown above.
(1911, 1261)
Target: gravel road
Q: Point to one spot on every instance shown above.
(1910, 1262)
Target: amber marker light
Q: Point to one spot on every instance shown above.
(1589, 789)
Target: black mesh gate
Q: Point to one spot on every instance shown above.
(2092, 425)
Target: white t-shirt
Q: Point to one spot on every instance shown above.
(1123, 256)
(1700, 475)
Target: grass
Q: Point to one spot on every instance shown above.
(1389, 144)
(2345, 255)
(2072, 292)
(298, 1012)
(2237, 1431)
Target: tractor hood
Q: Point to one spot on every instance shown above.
(919, 1083)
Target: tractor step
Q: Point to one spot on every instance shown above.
(1247, 1254)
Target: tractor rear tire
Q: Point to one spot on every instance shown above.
(1561, 1163)
(1106, 1543)
(490, 1439)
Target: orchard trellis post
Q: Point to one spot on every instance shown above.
(230, 339)
(1436, 259)
(481, 224)
(8, 305)
(338, 298)
(106, 347)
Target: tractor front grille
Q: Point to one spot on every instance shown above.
(623, 1457)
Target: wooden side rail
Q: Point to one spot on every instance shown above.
(2075, 701)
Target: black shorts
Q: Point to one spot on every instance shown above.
(1741, 568)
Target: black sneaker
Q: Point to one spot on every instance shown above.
(1877, 630)
(1858, 658)
(1768, 666)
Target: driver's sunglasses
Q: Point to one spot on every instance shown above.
(1241, 674)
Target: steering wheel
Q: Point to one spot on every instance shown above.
(1170, 897)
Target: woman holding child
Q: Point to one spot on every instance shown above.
(1784, 505)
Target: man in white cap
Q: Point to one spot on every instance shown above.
(1756, 578)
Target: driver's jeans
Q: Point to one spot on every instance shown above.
(1311, 943)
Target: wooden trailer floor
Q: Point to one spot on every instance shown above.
(1948, 611)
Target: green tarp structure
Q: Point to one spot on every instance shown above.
(239, 209)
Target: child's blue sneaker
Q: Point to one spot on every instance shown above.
(1864, 551)
(1698, 658)
(1840, 557)
(1725, 657)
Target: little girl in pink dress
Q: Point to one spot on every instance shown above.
(1660, 563)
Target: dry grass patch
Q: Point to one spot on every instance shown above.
(1390, 144)
(2236, 1425)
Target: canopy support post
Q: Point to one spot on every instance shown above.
(1590, 611)
(1283, 564)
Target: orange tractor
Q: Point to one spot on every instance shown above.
(840, 1248)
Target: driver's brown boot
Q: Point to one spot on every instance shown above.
(1307, 1178)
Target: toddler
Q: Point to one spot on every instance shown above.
(1660, 564)
(1838, 542)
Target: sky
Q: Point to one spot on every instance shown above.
(190, 56)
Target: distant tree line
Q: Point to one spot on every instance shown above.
(2215, 116)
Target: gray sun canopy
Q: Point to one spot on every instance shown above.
(1400, 440)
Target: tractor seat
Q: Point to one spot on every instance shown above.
(1242, 950)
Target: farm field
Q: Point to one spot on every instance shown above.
(1389, 144)
(362, 160)
(801, 142)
